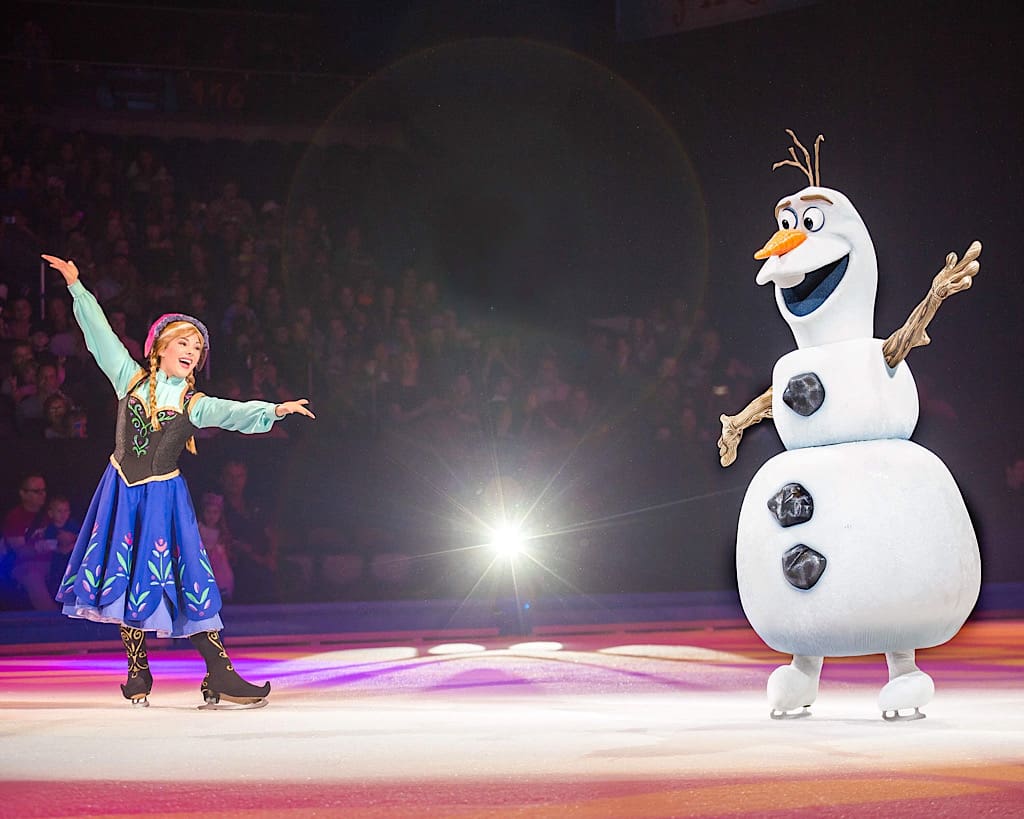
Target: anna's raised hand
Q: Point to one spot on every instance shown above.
(67, 268)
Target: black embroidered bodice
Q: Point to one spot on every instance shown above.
(142, 453)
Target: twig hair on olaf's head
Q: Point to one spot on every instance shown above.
(813, 175)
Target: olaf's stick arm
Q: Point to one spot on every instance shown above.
(733, 425)
(957, 275)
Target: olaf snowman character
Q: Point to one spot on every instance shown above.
(855, 540)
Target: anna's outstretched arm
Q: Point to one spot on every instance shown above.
(110, 354)
(242, 416)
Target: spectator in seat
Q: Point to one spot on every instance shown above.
(254, 544)
(23, 532)
(216, 539)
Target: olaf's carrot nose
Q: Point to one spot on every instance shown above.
(782, 242)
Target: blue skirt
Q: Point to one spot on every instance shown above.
(139, 561)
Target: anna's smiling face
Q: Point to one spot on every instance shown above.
(179, 350)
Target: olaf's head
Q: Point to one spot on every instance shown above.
(821, 260)
(822, 263)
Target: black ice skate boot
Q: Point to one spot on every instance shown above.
(140, 680)
(222, 682)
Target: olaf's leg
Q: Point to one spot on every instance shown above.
(908, 688)
(794, 686)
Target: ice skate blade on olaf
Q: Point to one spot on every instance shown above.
(907, 692)
(855, 540)
(792, 689)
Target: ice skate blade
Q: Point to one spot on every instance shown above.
(140, 702)
(896, 716)
(227, 705)
(777, 714)
(212, 696)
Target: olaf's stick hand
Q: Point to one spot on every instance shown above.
(958, 274)
(729, 442)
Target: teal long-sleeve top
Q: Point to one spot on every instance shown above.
(122, 370)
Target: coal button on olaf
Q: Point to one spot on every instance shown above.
(804, 394)
(791, 505)
(802, 566)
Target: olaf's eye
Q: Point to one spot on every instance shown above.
(814, 219)
(787, 219)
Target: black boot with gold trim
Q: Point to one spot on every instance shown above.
(222, 682)
(140, 680)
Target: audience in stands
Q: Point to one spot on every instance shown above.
(305, 306)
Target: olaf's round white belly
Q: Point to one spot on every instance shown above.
(842, 392)
(901, 562)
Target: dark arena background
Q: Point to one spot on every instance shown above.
(505, 247)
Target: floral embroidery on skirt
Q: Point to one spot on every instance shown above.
(139, 560)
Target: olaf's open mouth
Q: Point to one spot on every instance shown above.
(804, 298)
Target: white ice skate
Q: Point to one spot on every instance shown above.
(792, 689)
(908, 688)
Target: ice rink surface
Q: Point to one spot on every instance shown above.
(627, 722)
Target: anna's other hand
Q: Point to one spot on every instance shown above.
(290, 407)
